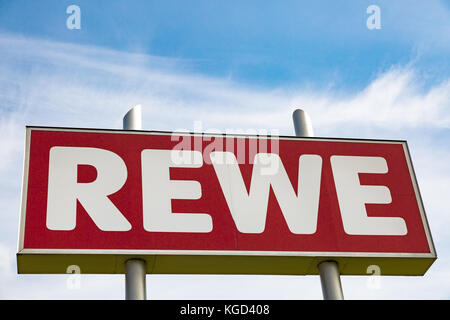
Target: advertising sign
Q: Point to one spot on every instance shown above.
(218, 204)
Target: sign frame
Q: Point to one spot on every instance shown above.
(110, 261)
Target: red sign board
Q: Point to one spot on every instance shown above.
(198, 203)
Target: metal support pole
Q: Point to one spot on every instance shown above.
(302, 124)
(328, 270)
(133, 119)
(135, 286)
(135, 269)
(330, 280)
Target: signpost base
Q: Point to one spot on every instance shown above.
(135, 284)
(330, 280)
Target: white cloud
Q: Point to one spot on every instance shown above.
(393, 100)
(48, 83)
(64, 81)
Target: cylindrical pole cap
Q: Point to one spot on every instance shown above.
(133, 119)
(302, 124)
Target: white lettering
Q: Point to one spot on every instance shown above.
(353, 197)
(64, 190)
(249, 209)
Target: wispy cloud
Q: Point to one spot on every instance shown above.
(64, 81)
(51, 83)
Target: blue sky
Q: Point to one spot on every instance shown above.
(233, 65)
(263, 43)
